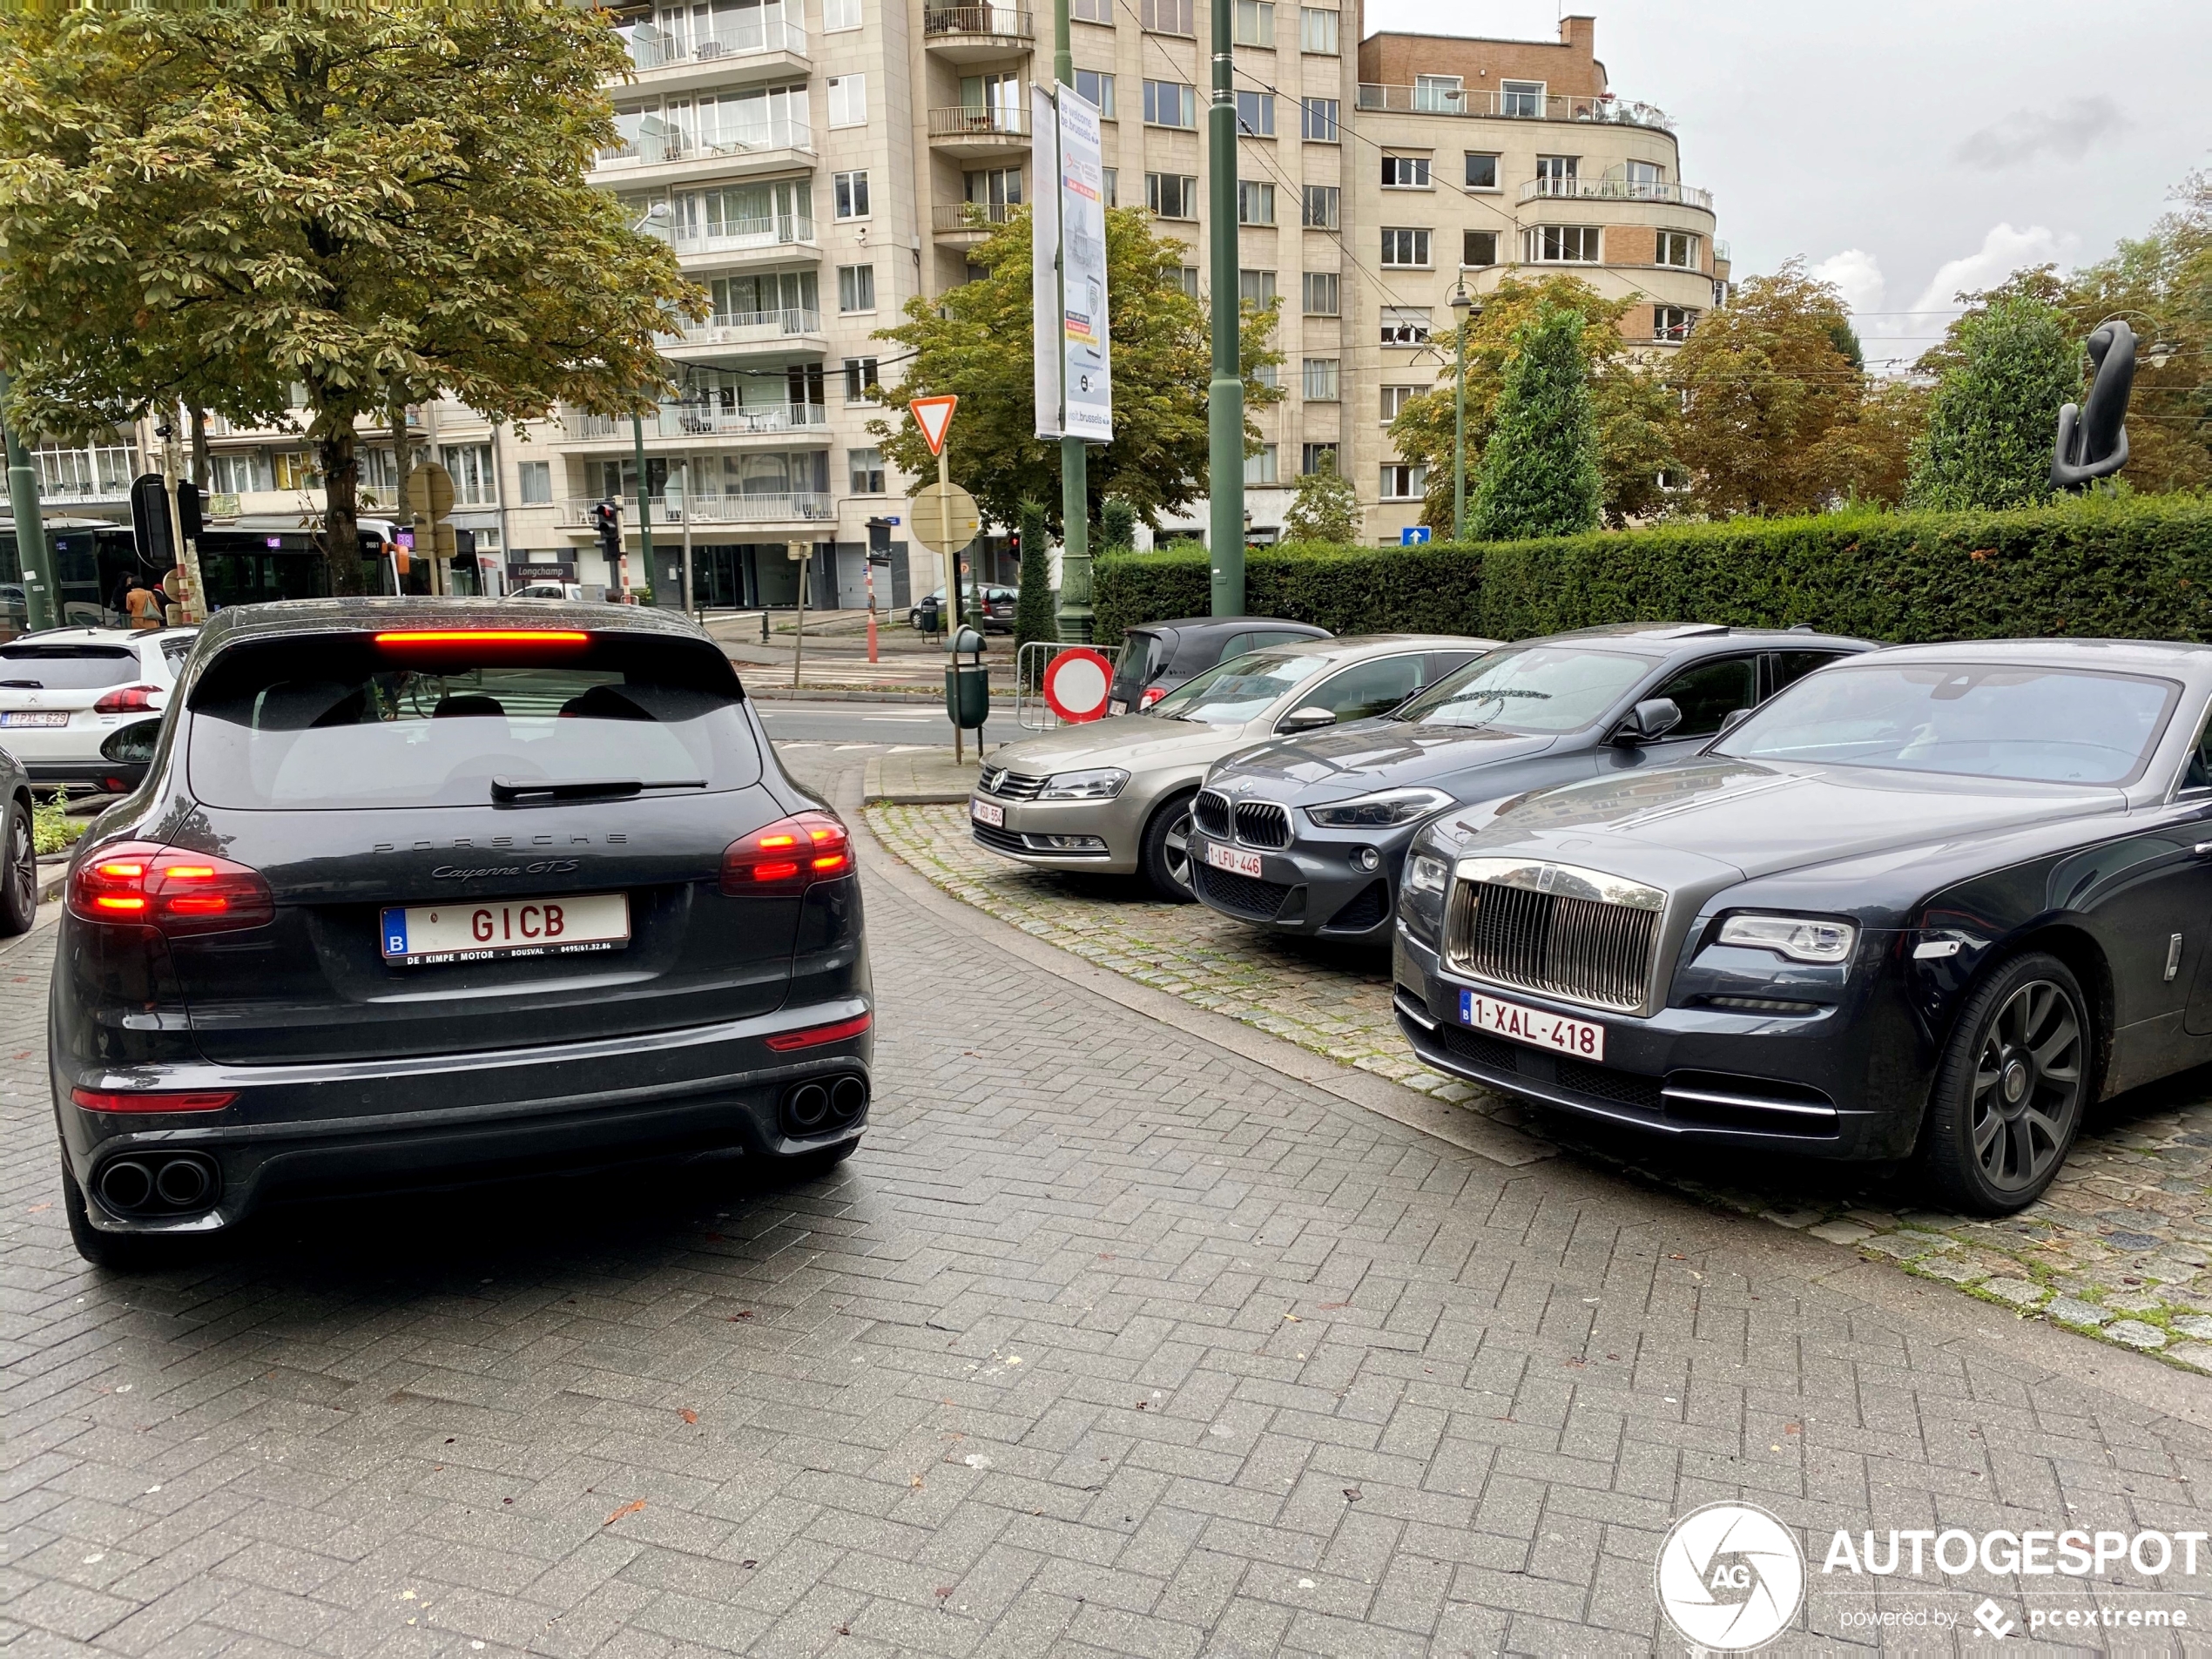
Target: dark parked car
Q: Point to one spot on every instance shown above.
(1307, 834)
(999, 605)
(18, 856)
(1933, 903)
(420, 890)
(1156, 657)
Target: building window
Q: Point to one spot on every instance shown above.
(1311, 456)
(295, 469)
(855, 287)
(1672, 323)
(536, 480)
(1092, 10)
(1320, 293)
(1405, 172)
(474, 483)
(866, 467)
(1097, 90)
(1169, 104)
(859, 378)
(1556, 175)
(1317, 27)
(1190, 280)
(1167, 16)
(1317, 118)
(1405, 325)
(839, 14)
(1320, 381)
(1260, 469)
(1256, 23)
(1478, 247)
(1267, 374)
(1404, 483)
(1256, 288)
(1324, 206)
(1256, 115)
(996, 190)
(852, 195)
(1255, 204)
(238, 475)
(848, 100)
(1482, 170)
(1439, 95)
(1677, 247)
(1523, 98)
(1561, 245)
(1395, 398)
(1172, 195)
(1109, 185)
(1402, 246)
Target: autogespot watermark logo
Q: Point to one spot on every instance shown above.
(1731, 1577)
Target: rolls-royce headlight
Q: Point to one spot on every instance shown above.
(1425, 872)
(1385, 809)
(1802, 939)
(1102, 783)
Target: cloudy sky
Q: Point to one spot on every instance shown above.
(1907, 150)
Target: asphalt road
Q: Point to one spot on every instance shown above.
(888, 722)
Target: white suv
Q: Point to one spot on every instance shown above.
(65, 691)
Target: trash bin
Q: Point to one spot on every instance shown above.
(967, 685)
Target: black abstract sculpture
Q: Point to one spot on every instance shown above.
(2093, 438)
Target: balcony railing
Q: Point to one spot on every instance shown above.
(1617, 190)
(979, 217)
(732, 236)
(709, 420)
(671, 506)
(651, 148)
(1515, 106)
(1008, 121)
(746, 328)
(651, 48)
(1002, 21)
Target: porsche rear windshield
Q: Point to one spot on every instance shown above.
(1529, 688)
(329, 722)
(2026, 724)
(1237, 691)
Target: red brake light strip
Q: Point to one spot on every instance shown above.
(485, 637)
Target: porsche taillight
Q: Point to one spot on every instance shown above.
(788, 856)
(169, 889)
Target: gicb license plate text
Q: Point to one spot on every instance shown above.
(424, 936)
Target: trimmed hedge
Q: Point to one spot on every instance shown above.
(2126, 567)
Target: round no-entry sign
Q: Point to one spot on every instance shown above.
(1076, 683)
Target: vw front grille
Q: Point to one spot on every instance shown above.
(1263, 823)
(1009, 786)
(1578, 935)
(1211, 812)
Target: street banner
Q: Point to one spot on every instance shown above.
(1074, 386)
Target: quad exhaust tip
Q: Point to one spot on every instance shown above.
(158, 1184)
(822, 1105)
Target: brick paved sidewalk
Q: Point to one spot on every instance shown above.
(2118, 1248)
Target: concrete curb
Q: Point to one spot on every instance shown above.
(932, 780)
(859, 694)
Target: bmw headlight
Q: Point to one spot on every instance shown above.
(1802, 939)
(1101, 783)
(1385, 809)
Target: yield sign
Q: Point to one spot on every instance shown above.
(935, 416)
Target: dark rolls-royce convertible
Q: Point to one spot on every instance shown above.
(1930, 903)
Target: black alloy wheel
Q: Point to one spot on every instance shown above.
(2011, 1092)
(1165, 853)
(19, 872)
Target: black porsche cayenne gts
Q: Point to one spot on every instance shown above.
(416, 890)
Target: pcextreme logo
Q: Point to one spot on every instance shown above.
(1731, 1577)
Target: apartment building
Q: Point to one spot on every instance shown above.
(816, 163)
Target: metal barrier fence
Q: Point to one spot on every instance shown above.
(1031, 712)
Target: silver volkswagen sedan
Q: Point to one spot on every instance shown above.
(1115, 795)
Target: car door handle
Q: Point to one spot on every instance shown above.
(2202, 850)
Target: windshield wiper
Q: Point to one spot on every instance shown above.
(547, 791)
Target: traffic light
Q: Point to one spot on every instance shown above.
(188, 518)
(607, 518)
(1014, 545)
(150, 522)
(879, 541)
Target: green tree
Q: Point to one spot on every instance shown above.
(1540, 473)
(1324, 506)
(1033, 611)
(210, 206)
(1636, 415)
(976, 341)
(2014, 360)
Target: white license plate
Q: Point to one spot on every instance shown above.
(1228, 858)
(422, 935)
(1117, 707)
(1533, 1026)
(34, 717)
(983, 812)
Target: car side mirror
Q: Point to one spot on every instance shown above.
(1648, 721)
(1312, 717)
(1733, 719)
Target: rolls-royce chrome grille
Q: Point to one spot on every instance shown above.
(1580, 936)
(1210, 811)
(1009, 786)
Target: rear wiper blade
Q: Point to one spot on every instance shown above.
(546, 790)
